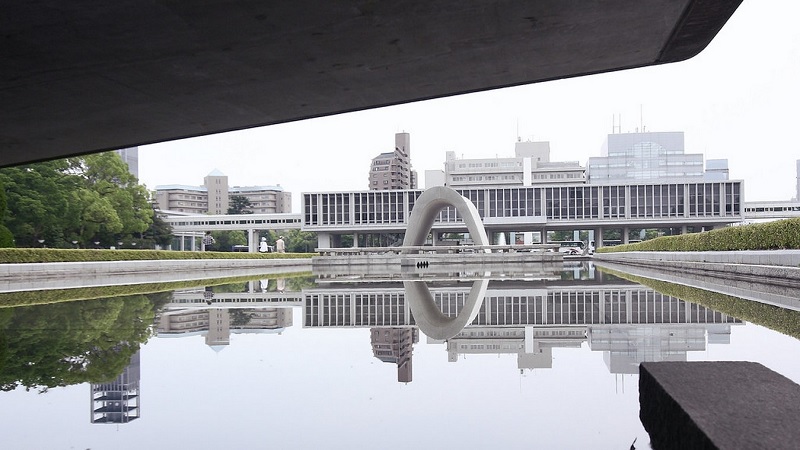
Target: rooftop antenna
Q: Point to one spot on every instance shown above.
(641, 118)
(616, 123)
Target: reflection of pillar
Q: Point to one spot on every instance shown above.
(117, 401)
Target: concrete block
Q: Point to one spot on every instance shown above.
(718, 405)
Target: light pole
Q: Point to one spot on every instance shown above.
(75, 243)
(134, 245)
(96, 244)
(41, 242)
(120, 244)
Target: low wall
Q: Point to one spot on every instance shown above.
(781, 267)
(64, 275)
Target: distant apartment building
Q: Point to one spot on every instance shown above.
(651, 156)
(392, 170)
(530, 165)
(217, 324)
(213, 197)
(395, 345)
(131, 157)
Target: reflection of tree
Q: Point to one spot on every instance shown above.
(69, 343)
(239, 318)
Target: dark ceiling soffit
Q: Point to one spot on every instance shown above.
(700, 22)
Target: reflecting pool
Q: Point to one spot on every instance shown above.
(548, 359)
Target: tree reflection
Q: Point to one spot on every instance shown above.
(68, 343)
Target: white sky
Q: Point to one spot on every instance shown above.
(738, 99)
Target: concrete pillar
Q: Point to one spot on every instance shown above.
(625, 233)
(598, 238)
(193, 246)
(252, 240)
(355, 240)
(323, 240)
(684, 229)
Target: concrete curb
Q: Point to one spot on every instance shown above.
(63, 275)
(781, 267)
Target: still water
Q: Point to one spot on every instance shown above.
(548, 360)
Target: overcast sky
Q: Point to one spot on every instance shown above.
(738, 99)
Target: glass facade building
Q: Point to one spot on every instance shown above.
(536, 207)
(644, 156)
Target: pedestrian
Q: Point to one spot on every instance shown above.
(208, 241)
(280, 247)
(263, 247)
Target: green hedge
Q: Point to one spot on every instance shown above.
(785, 321)
(39, 255)
(781, 234)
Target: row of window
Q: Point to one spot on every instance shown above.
(615, 306)
(584, 202)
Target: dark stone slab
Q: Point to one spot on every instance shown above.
(724, 405)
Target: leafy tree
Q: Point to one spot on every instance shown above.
(296, 241)
(225, 240)
(87, 198)
(239, 204)
(107, 175)
(38, 197)
(158, 233)
(68, 343)
(6, 238)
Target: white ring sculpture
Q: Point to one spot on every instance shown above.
(430, 319)
(428, 206)
(427, 315)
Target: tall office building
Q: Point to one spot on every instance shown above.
(651, 156)
(214, 197)
(117, 401)
(131, 158)
(530, 165)
(392, 170)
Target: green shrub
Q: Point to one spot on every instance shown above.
(781, 234)
(782, 320)
(39, 255)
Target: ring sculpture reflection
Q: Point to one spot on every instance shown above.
(428, 205)
(431, 321)
(427, 316)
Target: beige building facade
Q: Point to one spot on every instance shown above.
(214, 197)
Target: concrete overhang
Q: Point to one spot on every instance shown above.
(80, 76)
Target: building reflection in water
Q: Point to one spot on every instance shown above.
(117, 401)
(629, 323)
(396, 346)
